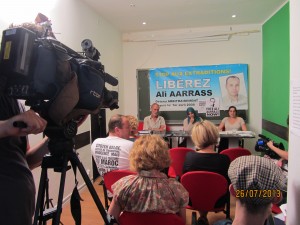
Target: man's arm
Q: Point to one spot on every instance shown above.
(34, 125)
(162, 125)
(35, 155)
(146, 125)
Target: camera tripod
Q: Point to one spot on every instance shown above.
(59, 162)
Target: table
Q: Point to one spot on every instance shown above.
(234, 137)
(167, 134)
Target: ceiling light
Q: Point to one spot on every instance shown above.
(144, 23)
(132, 5)
(233, 16)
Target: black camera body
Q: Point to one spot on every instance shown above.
(261, 146)
(56, 81)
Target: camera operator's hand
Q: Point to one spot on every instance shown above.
(282, 153)
(34, 125)
(270, 145)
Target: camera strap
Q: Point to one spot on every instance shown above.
(75, 200)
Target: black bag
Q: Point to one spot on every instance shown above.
(91, 87)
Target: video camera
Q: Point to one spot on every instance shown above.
(57, 82)
(261, 146)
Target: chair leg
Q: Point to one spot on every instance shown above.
(105, 196)
(227, 207)
(194, 218)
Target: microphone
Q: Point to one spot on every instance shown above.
(110, 79)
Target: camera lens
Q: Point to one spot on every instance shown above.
(260, 142)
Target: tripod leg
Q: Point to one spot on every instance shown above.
(56, 219)
(91, 188)
(40, 198)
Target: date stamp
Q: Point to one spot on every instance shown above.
(256, 193)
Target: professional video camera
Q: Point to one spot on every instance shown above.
(63, 86)
(60, 84)
(261, 146)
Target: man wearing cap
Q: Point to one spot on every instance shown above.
(256, 182)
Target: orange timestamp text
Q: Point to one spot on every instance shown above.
(256, 193)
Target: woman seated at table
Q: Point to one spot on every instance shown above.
(231, 123)
(191, 119)
(205, 136)
(150, 190)
(188, 124)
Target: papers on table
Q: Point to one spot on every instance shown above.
(237, 133)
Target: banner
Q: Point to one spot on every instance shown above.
(207, 89)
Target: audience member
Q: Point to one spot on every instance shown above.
(233, 96)
(133, 124)
(17, 189)
(150, 190)
(256, 182)
(205, 136)
(230, 123)
(112, 152)
(154, 121)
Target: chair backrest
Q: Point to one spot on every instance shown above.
(177, 159)
(168, 128)
(141, 125)
(152, 218)
(113, 176)
(234, 153)
(205, 189)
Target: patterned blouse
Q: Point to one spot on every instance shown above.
(150, 191)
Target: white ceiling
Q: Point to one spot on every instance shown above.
(175, 14)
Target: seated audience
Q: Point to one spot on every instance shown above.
(230, 123)
(133, 124)
(205, 136)
(150, 190)
(154, 121)
(112, 152)
(256, 182)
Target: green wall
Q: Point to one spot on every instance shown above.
(276, 62)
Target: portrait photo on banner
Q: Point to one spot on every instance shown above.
(234, 91)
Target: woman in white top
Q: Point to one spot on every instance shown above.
(233, 122)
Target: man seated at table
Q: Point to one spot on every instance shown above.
(154, 121)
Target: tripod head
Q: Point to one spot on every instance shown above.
(61, 138)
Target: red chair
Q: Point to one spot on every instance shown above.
(141, 125)
(276, 209)
(234, 153)
(168, 128)
(110, 178)
(152, 218)
(205, 189)
(177, 159)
